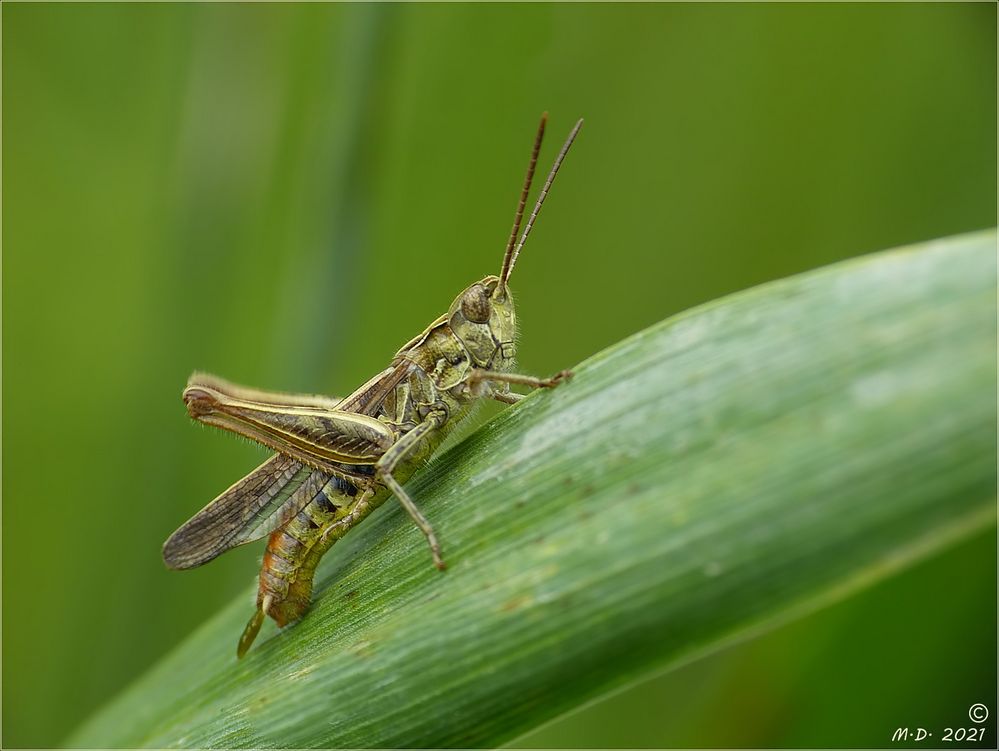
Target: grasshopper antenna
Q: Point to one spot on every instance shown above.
(508, 256)
(511, 257)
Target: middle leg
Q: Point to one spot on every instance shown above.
(391, 460)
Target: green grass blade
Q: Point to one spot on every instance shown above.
(710, 476)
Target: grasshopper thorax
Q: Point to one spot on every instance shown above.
(483, 319)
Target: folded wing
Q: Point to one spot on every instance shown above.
(253, 507)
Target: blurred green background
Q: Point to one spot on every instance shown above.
(284, 194)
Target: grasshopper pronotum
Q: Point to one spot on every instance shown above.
(339, 459)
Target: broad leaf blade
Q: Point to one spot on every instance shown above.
(725, 469)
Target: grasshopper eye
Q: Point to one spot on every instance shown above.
(475, 304)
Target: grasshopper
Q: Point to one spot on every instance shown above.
(337, 460)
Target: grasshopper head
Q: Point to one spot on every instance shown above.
(483, 318)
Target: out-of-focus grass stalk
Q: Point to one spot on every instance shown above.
(728, 468)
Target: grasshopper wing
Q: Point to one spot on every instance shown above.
(256, 505)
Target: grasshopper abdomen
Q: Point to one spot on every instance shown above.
(285, 577)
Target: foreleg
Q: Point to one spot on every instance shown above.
(477, 377)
